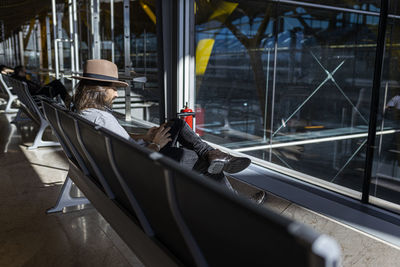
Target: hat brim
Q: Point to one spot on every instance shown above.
(117, 83)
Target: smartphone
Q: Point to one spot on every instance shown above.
(169, 124)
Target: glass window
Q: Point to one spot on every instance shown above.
(394, 7)
(369, 5)
(288, 84)
(84, 35)
(386, 168)
(145, 91)
(141, 68)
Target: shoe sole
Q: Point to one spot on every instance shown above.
(216, 167)
(237, 165)
(233, 166)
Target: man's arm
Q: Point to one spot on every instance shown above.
(148, 136)
(138, 136)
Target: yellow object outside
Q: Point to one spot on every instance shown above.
(203, 52)
(205, 46)
(223, 10)
(148, 11)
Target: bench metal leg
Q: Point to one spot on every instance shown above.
(9, 103)
(10, 136)
(38, 139)
(65, 199)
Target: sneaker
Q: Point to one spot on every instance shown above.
(220, 161)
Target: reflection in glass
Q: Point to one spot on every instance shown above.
(386, 169)
(364, 5)
(289, 84)
(142, 61)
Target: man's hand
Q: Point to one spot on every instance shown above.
(149, 136)
(161, 136)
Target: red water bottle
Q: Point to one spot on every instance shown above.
(188, 119)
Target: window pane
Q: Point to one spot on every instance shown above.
(369, 5)
(386, 172)
(304, 105)
(141, 70)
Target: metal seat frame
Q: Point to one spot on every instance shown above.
(11, 96)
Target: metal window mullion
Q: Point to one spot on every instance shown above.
(71, 34)
(35, 44)
(11, 51)
(169, 30)
(3, 45)
(190, 53)
(8, 53)
(11, 45)
(336, 8)
(379, 56)
(95, 18)
(5, 51)
(88, 11)
(181, 96)
(276, 31)
(17, 51)
(144, 52)
(75, 35)
(48, 42)
(56, 65)
(112, 29)
(92, 28)
(39, 44)
(166, 28)
(16, 47)
(2, 52)
(60, 45)
(127, 58)
(160, 59)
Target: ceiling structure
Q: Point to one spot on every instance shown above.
(15, 13)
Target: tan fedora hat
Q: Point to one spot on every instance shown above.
(101, 70)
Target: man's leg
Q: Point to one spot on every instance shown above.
(218, 161)
(189, 159)
(181, 132)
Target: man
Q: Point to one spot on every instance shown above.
(93, 99)
(6, 70)
(51, 89)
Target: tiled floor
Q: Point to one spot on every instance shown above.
(30, 182)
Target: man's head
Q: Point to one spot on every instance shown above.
(101, 70)
(94, 94)
(98, 85)
(20, 71)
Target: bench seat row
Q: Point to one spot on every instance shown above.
(171, 216)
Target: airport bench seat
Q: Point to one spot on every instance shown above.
(10, 93)
(31, 108)
(171, 216)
